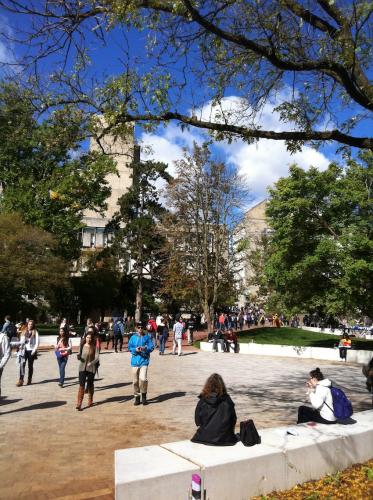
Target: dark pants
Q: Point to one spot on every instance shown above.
(1, 372)
(30, 360)
(233, 344)
(117, 339)
(215, 344)
(162, 343)
(88, 377)
(307, 414)
(343, 352)
(62, 365)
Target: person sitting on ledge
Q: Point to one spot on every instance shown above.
(215, 415)
(321, 399)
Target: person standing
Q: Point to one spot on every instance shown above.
(344, 344)
(28, 346)
(87, 369)
(163, 335)
(190, 326)
(63, 349)
(9, 328)
(178, 330)
(140, 346)
(118, 334)
(4, 353)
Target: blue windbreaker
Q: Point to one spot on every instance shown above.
(140, 358)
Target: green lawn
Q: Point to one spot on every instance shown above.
(298, 337)
(54, 329)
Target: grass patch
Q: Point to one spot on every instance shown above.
(54, 329)
(298, 337)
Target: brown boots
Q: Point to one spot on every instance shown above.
(90, 397)
(19, 383)
(80, 398)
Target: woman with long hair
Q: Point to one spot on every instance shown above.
(215, 415)
(27, 351)
(318, 390)
(87, 369)
(63, 349)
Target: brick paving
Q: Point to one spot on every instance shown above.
(50, 450)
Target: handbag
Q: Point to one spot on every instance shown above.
(248, 433)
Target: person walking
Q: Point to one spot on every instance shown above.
(344, 345)
(9, 328)
(163, 335)
(118, 334)
(63, 349)
(27, 352)
(191, 324)
(4, 353)
(87, 368)
(140, 346)
(178, 330)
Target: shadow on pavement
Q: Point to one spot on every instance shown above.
(165, 397)
(47, 381)
(112, 386)
(4, 401)
(38, 406)
(114, 399)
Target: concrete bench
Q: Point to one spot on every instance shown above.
(353, 356)
(285, 457)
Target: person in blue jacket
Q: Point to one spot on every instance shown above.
(140, 346)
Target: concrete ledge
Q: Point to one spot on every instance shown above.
(285, 457)
(353, 356)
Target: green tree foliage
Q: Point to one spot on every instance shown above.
(205, 202)
(313, 57)
(138, 239)
(321, 253)
(44, 174)
(28, 265)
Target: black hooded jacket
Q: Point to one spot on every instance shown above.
(215, 418)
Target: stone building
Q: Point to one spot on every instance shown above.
(247, 237)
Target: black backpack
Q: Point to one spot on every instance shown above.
(11, 330)
(248, 433)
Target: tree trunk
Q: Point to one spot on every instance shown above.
(139, 294)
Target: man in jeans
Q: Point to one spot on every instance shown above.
(140, 346)
(217, 338)
(178, 330)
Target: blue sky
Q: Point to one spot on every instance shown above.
(261, 163)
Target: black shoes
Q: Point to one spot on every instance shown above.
(137, 401)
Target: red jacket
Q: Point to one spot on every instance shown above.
(153, 324)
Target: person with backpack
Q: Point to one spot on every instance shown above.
(9, 328)
(118, 334)
(320, 395)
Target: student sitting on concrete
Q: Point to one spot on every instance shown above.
(217, 338)
(318, 390)
(215, 415)
(231, 341)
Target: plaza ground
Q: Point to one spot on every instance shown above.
(50, 450)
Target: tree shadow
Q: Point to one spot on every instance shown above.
(39, 406)
(114, 399)
(4, 401)
(112, 386)
(165, 397)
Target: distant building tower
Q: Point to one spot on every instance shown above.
(124, 152)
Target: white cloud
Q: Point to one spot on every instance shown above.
(262, 163)
(6, 49)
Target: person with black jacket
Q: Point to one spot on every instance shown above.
(215, 415)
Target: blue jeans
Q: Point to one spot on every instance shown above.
(62, 365)
(162, 343)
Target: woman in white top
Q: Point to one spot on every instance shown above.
(28, 346)
(321, 400)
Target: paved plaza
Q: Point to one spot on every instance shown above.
(50, 450)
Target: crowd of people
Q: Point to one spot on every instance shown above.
(215, 415)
